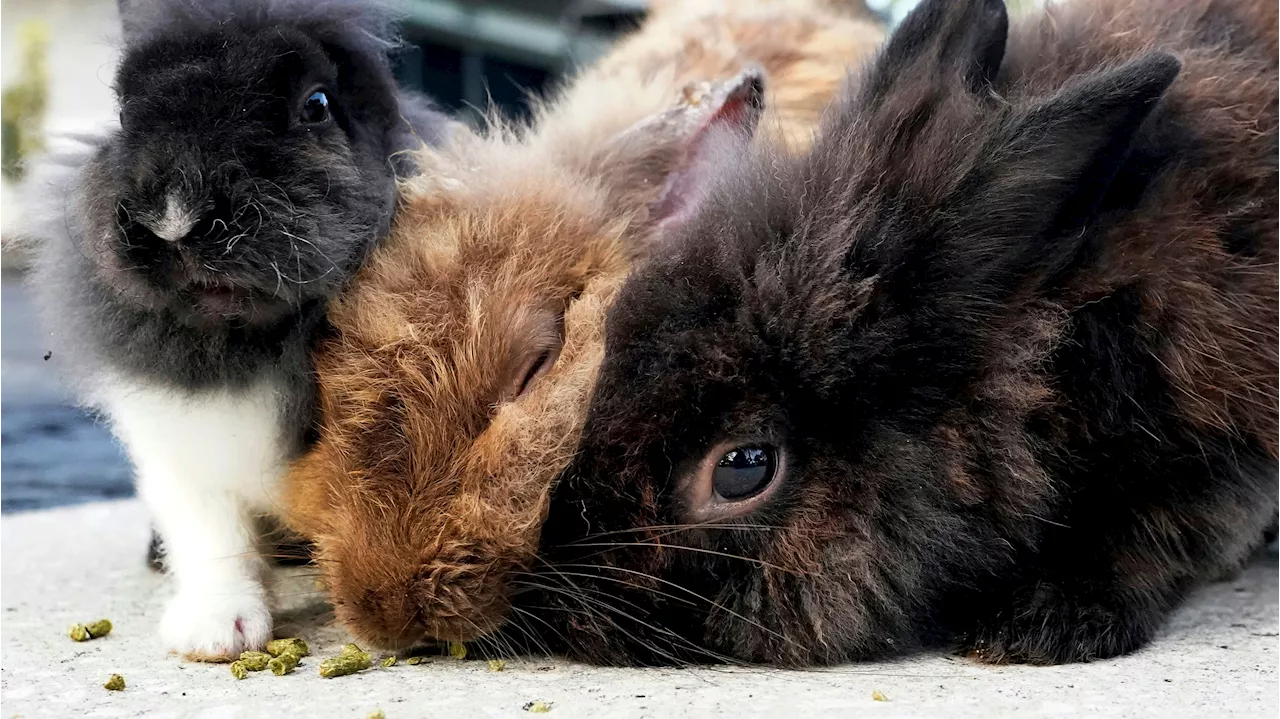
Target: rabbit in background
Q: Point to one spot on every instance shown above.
(454, 387)
(994, 364)
(188, 256)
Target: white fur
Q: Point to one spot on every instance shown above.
(206, 463)
(175, 223)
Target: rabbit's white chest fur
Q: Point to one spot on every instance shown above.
(215, 441)
(206, 463)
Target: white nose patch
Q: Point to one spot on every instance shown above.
(175, 223)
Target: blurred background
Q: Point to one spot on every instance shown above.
(57, 60)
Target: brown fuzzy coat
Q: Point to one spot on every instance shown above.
(427, 489)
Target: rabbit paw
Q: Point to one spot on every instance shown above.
(207, 627)
(1046, 625)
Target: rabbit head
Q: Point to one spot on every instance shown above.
(776, 465)
(454, 390)
(251, 171)
(468, 347)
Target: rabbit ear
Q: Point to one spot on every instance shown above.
(1019, 215)
(942, 38)
(660, 165)
(1061, 156)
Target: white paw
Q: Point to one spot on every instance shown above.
(216, 626)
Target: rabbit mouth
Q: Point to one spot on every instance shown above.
(221, 298)
(209, 300)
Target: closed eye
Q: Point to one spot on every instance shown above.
(543, 337)
(536, 368)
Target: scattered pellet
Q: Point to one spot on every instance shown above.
(876, 695)
(239, 670)
(388, 662)
(497, 665)
(537, 707)
(284, 663)
(457, 650)
(255, 661)
(92, 630)
(114, 683)
(350, 660)
(276, 647)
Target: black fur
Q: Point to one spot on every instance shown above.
(209, 94)
(1023, 381)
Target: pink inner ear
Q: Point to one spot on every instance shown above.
(741, 102)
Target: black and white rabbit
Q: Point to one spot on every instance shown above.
(191, 252)
(995, 363)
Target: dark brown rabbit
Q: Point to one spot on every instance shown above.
(994, 364)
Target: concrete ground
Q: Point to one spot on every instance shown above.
(1216, 658)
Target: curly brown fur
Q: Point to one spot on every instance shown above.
(1006, 339)
(440, 434)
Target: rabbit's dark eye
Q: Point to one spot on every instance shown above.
(733, 479)
(744, 472)
(315, 109)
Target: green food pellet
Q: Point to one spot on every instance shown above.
(255, 661)
(114, 683)
(537, 707)
(413, 661)
(877, 696)
(457, 650)
(388, 662)
(92, 630)
(276, 647)
(284, 663)
(351, 660)
(497, 665)
(239, 670)
(377, 714)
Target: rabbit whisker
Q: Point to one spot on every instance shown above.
(615, 545)
(669, 583)
(677, 528)
(525, 615)
(587, 601)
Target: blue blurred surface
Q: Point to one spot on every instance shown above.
(51, 452)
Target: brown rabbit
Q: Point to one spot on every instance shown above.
(454, 388)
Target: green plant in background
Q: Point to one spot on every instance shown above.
(23, 103)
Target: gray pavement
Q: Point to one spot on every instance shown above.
(1216, 658)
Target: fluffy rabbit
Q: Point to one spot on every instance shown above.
(454, 389)
(995, 363)
(188, 261)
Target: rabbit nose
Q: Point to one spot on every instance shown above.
(174, 221)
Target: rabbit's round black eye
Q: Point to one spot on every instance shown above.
(315, 110)
(744, 472)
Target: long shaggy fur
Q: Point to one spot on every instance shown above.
(1012, 324)
(426, 492)
(185, 266)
